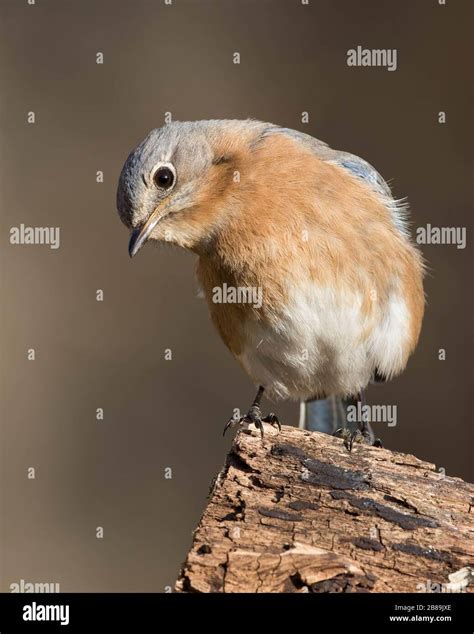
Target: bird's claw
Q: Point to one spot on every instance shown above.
(349, 438)
(272, 419)
(254, 415)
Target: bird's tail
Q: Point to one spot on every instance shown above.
(327, 415)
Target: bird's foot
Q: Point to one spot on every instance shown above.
(254, 416)
(359, 435)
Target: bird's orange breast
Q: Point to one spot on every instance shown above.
(293, 218)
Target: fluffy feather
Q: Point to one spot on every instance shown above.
(315, 229)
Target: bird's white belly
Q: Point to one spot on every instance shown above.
(324, 343)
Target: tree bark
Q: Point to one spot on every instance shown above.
(295, 512)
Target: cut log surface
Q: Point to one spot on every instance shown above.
(295, 512)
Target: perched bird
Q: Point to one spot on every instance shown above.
(321, 289)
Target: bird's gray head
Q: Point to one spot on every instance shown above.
(173, 186)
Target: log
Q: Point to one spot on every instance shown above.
(295, 512)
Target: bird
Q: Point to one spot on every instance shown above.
(303, 254)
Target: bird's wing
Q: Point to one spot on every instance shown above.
(354, 164)
(357, 166)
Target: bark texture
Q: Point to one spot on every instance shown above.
(295, 512)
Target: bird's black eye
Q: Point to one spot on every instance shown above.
(164, 177)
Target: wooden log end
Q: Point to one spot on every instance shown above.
(295, 512)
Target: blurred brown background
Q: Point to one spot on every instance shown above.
(110, 354)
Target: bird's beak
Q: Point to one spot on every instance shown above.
(141, 234)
